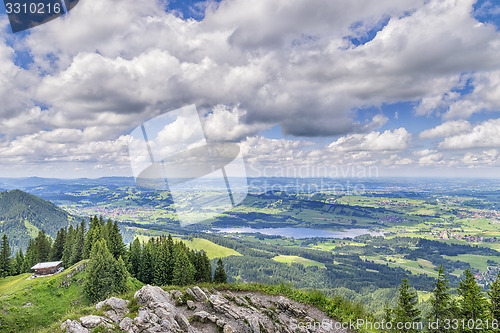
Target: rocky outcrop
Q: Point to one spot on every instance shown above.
(201, 311)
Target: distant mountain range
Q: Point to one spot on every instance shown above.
(22, 215)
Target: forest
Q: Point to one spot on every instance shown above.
(160, 261)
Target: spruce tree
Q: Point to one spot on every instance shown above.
(5, 262)
(94, 234)
(147, 263)
(42, 246)
(220, 273)
(57, 249)
(17, 267)
(121, 275)
(30, 259)
(494, 295)
(472, 302)
(440, 302)
(134, 258)
(78, 244)
(115, 239)
(206, 275)
(162, 264)
(101, 273)
(406, 310)
(68, 246)
(183, 269)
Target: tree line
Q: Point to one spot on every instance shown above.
(159, 261)
(471, 311)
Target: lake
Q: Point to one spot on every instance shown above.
(300, 233)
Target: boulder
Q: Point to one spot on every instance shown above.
(73, 326)
(199, 294)
(128, 326)
(92, 321)
(191, 304)
(153, 297)
(118, 308)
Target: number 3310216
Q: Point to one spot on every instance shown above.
(33, 8)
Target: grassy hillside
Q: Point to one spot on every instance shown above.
(23, 214)
(29, 305)
(200, 244)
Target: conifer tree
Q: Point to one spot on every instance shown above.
(78, 244)
(94, 234)
(147, 263)
(162, 264)
(134, 258)
(68, 246)
(406, 310)
(57, 249)
(42, 246)
(472, 302)
(17, 267)
(121, 275)
(440, 302)
(115, 239)
(183, 268)
(5, 262)
(104, 274)
(30, 258)
(494, 295)
(220, 273)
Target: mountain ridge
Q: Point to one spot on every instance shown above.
(23, 214)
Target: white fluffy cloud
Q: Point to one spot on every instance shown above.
(483, 135)
(449, 128)
(253, 65)
(398, 139)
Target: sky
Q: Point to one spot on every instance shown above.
(306, 88)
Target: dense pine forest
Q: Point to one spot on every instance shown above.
(160, 261)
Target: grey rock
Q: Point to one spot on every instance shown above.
(176, 294)
(190, 293)
(191, 304)
(73, 326)
(220, 322)
(27, 305)
(201, 316)
(199, 294)
(254, 324)
(91, 321)
(227, 329)
(127, 325)
(152, 296)
(217, 301)
(183, 323)
(118, 308)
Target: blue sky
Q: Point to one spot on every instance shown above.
(407, 87)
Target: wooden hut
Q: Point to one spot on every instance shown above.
(44, 268)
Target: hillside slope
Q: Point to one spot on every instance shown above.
(23, 214)
(30, 305)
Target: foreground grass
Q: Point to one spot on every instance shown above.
(31, 305)
(336, 307)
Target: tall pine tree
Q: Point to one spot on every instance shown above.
(57, 249)
(494, 294)
(220, 273)
(183, 268)
(105, 275)
(5, 262)
(134, 258)
(472, 302)
(440, 303)
(406, 309)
